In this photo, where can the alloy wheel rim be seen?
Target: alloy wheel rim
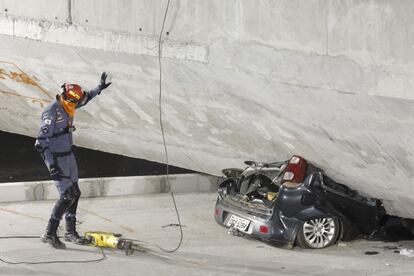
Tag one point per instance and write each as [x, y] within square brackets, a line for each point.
[319, 232]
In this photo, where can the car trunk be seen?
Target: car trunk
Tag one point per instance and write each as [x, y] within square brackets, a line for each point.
[255, 191]
[256, 207]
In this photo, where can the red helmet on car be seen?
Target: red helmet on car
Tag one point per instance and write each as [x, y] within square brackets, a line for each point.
[72, 93]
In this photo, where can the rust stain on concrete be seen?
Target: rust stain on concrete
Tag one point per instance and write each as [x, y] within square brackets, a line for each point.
[107, 219]
[19, 76]
[21, 214]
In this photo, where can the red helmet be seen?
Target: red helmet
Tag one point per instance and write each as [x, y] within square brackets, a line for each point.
[72, 93]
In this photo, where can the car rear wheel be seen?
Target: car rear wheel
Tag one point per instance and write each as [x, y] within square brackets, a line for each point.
[318, 233]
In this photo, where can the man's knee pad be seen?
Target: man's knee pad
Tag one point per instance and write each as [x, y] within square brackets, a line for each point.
[60, 207]
[67, 200]
[77, 191]
[70, 195]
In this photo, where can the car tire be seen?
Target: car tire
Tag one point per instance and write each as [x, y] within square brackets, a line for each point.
[318, 233]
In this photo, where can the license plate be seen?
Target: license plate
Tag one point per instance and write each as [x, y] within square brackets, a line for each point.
[238, 223]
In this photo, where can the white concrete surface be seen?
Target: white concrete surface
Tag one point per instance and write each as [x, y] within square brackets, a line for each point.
[207, 249]
[330, 80]
[54, 11]
[111, 186]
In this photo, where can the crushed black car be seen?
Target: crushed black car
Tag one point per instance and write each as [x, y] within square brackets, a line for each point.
[294, 202]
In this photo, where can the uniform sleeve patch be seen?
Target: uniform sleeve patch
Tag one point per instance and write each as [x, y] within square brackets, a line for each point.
[48, 121]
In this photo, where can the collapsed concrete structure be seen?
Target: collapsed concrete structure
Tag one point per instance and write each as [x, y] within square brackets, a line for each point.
[327, 79]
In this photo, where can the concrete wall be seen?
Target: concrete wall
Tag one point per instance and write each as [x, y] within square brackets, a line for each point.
[111, 186]
[53, 11]
[329, 79]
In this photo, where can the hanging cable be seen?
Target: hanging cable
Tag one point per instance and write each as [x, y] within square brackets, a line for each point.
[163, 134]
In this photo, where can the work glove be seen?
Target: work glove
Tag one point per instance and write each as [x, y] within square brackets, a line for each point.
[103, 84]
[55, 172]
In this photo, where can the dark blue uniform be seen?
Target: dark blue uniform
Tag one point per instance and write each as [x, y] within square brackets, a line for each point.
[55, 145]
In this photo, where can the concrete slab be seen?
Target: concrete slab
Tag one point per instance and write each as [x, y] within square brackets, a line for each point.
[329, 80]
[55, 11]
[207, 249]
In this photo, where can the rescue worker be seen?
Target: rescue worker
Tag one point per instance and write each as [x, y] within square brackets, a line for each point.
[55, 146]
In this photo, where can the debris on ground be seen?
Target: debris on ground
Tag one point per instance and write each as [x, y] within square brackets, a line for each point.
[407, 252]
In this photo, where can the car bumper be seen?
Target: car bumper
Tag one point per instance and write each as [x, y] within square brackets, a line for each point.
[273, 227]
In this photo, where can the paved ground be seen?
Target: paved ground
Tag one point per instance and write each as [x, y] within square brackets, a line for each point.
[207, 249]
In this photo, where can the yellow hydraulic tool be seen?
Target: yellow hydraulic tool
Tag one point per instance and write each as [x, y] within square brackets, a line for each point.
[112, 240]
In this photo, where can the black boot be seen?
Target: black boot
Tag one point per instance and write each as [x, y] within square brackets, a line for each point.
[51, 237]
[71, 235]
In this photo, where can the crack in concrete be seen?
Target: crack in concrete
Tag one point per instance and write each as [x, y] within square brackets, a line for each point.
[100, 129]
[317, 87]
[69, 20]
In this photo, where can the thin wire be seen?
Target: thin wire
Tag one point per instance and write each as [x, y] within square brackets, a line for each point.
[48, 262]
[19, 237]
[59, 262]
[153, 244]
[163, 134]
